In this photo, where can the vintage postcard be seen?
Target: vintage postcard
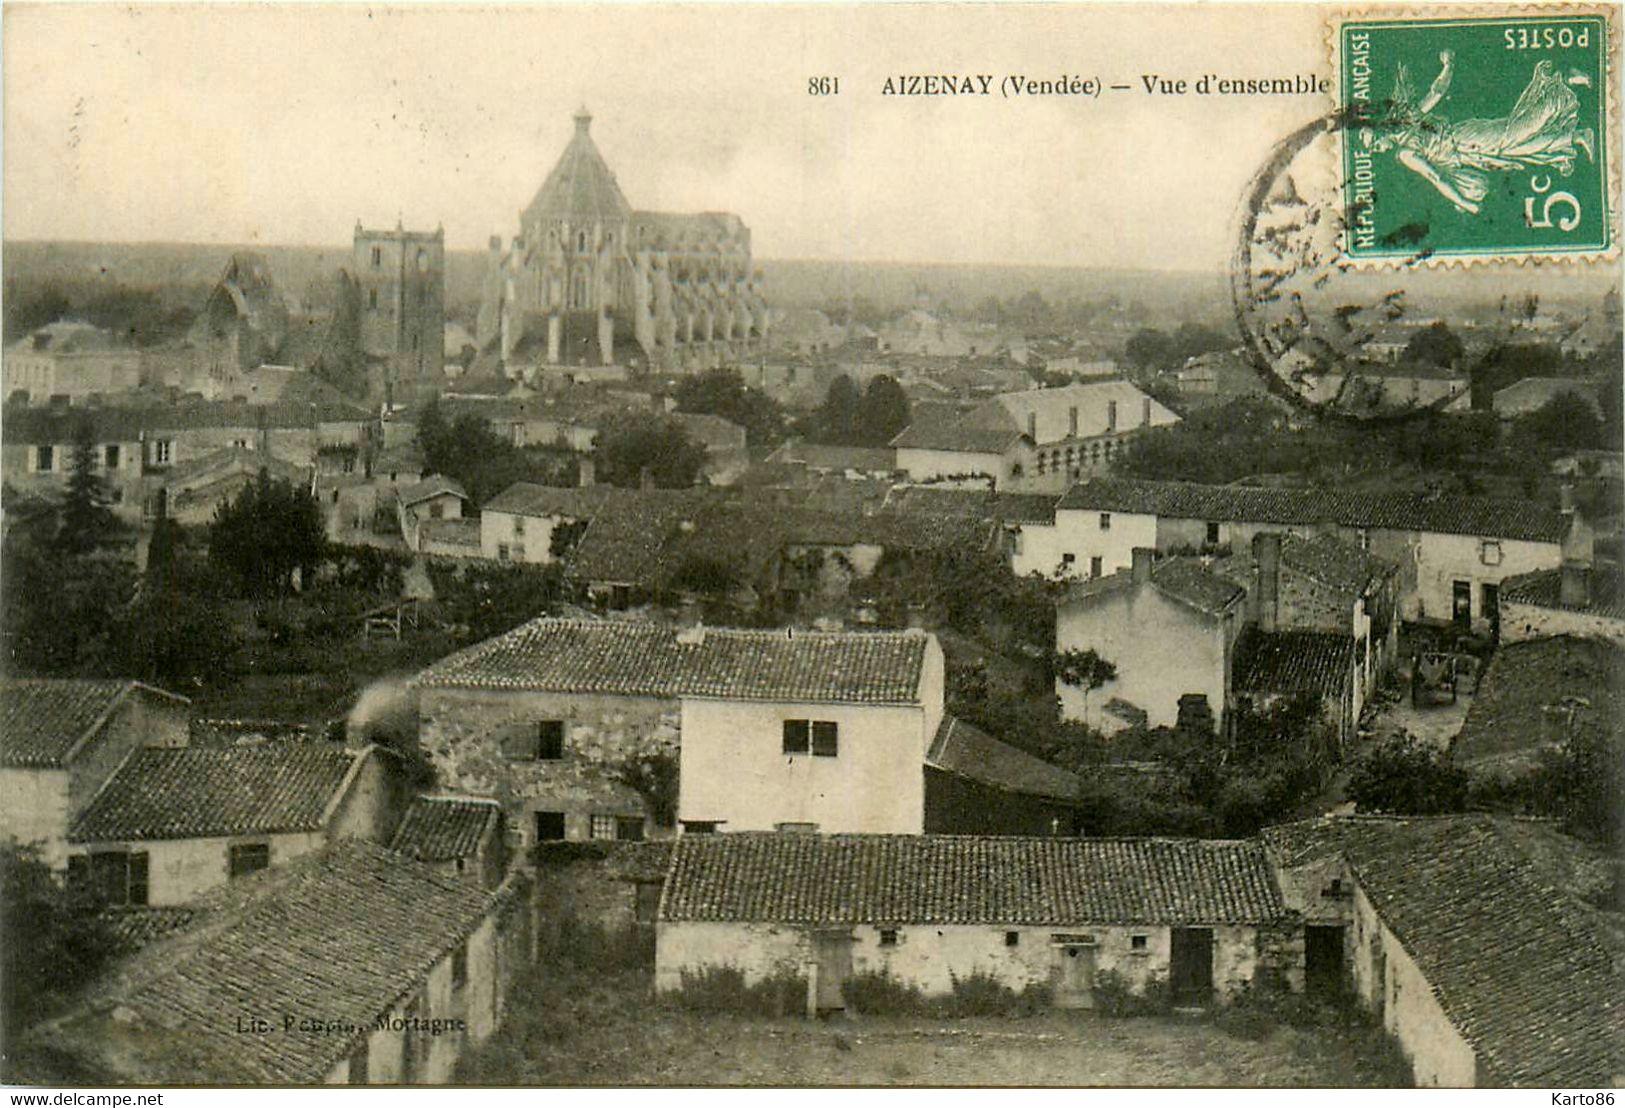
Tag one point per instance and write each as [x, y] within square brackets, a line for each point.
[861, 545]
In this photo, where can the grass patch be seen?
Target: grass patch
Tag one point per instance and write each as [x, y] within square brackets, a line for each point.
[722, 990]
[879, 993]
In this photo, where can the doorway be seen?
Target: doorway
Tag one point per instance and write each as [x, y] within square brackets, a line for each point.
[1191, 968]
[1323, 961]
[1073, 971]
[834, 951]
[1461, 604]
[1490, 606]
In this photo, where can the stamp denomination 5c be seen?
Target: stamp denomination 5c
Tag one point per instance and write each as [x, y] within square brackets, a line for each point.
[1477, 136]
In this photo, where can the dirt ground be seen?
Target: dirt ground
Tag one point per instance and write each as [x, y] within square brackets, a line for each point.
[601, 1038]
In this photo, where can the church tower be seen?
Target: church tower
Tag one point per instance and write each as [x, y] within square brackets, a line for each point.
[402, 279]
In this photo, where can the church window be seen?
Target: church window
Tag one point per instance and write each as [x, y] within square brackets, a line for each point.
[372, 299]
[377, 257]
[581, 240]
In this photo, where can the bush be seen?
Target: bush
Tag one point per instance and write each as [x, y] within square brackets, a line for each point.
[1115, 996]
[872, 993]
[982, 994]
[722, 990]
[570, 941]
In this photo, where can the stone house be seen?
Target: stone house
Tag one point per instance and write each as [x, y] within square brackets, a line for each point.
[1202, 918]
[1452, 551]
[72, 359]
[456, 834]
[172, 824]
[1171, 630]
[1467, 937]
[434, 498]
[556, 717]
[194, 491]
[60, 741]
[350, 965]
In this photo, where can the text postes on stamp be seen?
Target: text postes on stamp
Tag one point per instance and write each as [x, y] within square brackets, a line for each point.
[1481, 137]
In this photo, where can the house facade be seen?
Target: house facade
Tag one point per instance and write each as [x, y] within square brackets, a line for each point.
[1452, 551]
[174, 824]
[1170, 629]
[561, 721]
[61, 740]
[1202, 918]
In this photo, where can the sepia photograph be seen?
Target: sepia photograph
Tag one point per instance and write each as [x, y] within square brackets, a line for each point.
[869, 545]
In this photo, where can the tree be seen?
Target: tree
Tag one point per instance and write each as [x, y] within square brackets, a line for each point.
[883, 412]
[1082, 669]
[1565, 422]
[638, 443]
[838, 417]
[86, 520]
[51, 941]
[1149, 349]
[29, 309]
[1435, 345]
[56, 612]
[266, 534]
[1405, 776]
[723, 392]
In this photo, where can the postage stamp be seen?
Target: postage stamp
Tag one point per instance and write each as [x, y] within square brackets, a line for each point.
[1476, 137]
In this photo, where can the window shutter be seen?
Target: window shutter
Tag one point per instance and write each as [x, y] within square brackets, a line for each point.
[795, 736]
[138, 878]
[824, 741]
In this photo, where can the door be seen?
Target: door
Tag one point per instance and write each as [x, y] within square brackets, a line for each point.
[1073, 974]
[834, 967]
[1323, 961]
[1191, 972]
[1461, 604]
[1490, 606]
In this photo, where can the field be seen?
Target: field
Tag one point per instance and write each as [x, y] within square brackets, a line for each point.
[573, 1027]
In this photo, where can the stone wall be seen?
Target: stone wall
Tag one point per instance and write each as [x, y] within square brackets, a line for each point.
[1520, 622]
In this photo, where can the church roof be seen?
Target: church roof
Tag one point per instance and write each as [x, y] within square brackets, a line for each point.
[581, 185]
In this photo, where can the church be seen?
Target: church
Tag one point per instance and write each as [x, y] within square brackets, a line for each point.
[588, 281]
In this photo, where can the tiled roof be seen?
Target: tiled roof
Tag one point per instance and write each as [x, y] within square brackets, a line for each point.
[431, 487]
[1534, 693]
[1192, 583]
[646, 659]
[864, 459]
[341, 935]
[1543, 588]
[1463, 515]
[967, 751]
[198, 792]
[1093, 400]
[525, 499]
[960, 437]
[1291, 662]
[134, 928]
[1009, 507]
[127, 423]
[951, 879]
[235, 459]
[440, 828]
[580, 187]
[1529, 986]
[42, 720]
[711, 431]
[626, 541]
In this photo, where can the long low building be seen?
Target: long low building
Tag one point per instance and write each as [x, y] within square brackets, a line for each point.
[1453, 551]
[1204, 918]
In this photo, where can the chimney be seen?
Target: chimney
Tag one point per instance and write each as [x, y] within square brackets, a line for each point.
[692, 634]
[587, 472]
[1143, 557]
[1267, 558]
[688, 615]
[1565, 499]
[1574, 587]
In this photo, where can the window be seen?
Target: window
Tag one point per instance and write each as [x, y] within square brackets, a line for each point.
[796, 736]
[459, 966]
[601, 827]
[825, 740]
[518, 527]
[1095, 566]
[1068, 559]
[372, 299]
[629, 829]
[1012, 938]
[1145, 412]
[1489, 552]
[1032, 426]
[161, 451]
[377, 257]
[1072, 422]
[550, 740]
[359, 1062]
[247, 858]
[1213, 534]
[1364, 536]
[888, 936]
[581, 240]
[1137, 942]
[44, 458]
[796, 828]
[549, 826]
[1111, 415]
[437, 510]
[699, 827]
[110, 456]
[1105, 521]
[116, 877]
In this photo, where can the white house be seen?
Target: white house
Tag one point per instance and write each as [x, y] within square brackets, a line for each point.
[60, 740]
[517, 525]
[936, 451]
[172, 824]
[431, 500]
[774, 727]
[1452, 551]
[1200, 917]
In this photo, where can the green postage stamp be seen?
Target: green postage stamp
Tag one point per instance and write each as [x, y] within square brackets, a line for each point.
[1477, 136]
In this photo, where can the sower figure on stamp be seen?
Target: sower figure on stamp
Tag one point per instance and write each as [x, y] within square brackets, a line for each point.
[1455, 157]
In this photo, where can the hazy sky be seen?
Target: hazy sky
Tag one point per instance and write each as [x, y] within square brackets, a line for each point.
[287, 124]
